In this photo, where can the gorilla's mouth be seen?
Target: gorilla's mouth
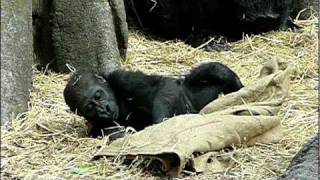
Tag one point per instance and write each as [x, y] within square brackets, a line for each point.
[113, 115]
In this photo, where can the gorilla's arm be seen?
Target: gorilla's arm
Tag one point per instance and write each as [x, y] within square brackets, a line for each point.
[214, 74]
[207, 81]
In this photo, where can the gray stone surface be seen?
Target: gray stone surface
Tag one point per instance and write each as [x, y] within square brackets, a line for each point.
[84, 34]
[16, 57]
[305, 165]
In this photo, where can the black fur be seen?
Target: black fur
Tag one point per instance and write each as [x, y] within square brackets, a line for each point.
[138, 100]
[192, 19]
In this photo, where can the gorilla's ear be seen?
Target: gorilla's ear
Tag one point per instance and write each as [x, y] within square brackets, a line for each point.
[100, 78]
[104, 75]
[75, 78]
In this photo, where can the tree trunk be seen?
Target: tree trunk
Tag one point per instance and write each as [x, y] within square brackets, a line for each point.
[90, 35]
[16, 57]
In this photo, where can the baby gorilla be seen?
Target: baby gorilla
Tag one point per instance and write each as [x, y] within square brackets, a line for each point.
[138, 100]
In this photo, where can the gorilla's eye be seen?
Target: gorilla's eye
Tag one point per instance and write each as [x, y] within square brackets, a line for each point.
[100, 79]
[89, 107]
[97, 95]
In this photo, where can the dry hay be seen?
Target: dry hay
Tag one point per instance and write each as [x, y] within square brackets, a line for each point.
[49, 142]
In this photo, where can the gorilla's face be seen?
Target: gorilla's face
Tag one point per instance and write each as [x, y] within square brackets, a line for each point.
[99, 104]
[91, 96]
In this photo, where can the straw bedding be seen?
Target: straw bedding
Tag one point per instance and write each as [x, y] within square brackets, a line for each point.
[49, 142]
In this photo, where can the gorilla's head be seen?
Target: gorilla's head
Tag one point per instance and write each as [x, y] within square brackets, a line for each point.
[90, 95]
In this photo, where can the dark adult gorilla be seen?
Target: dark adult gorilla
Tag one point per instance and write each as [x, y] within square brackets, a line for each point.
[187, 19]
[138, 100]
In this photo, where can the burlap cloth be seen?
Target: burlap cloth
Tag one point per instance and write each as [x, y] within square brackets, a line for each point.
[247, 116]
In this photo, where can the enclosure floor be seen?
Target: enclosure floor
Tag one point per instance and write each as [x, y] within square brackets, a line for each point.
[50, 142]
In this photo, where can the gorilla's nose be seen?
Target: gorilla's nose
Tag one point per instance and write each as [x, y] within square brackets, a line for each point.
[112, 111]
[104, 111]
[108, 108]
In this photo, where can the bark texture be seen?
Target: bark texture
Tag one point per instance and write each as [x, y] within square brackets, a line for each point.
[90, 35]
[16, 57]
